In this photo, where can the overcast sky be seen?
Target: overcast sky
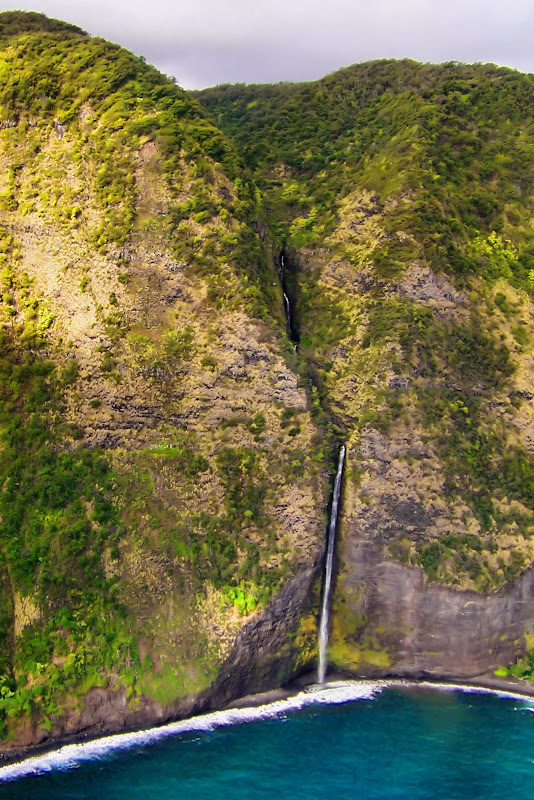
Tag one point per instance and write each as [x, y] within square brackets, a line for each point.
[205, 42]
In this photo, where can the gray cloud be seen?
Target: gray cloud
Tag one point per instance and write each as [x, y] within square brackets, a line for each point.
[204, 42]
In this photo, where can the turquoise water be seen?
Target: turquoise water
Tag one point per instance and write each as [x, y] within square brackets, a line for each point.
[390, 743]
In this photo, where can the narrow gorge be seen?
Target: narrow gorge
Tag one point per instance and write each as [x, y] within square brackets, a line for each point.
[289, 282]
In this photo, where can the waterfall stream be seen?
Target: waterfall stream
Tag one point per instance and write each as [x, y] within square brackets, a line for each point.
[287, 309]
[323, 626]
[289, 302]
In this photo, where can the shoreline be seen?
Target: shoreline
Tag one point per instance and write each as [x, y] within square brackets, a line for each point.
[299, 693]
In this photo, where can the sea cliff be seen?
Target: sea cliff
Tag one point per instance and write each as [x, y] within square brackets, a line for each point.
[169, 437]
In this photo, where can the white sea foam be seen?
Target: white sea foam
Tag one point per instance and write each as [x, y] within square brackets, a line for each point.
[465, 688]
[72, 755]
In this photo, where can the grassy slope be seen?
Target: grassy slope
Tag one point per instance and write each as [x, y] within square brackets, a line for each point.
[156, 471]
[406, 194]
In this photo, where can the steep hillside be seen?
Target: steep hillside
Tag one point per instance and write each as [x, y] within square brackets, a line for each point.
[164, 450]
[402, 195]
[162, 487]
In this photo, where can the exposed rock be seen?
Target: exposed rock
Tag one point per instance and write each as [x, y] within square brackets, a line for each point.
[262, 657]
[435, 291]
[159, 365]
[428, 630]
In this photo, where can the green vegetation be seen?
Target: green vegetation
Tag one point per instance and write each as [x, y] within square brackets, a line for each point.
[133, 530]
[56, 521]
[15, 23]
[105, 104]
[395, 173]
[437, 156]
[523, 668]
[452, 137]
[402, 196]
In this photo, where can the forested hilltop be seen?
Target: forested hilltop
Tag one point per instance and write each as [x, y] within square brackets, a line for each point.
[162, 470]
[402, 195]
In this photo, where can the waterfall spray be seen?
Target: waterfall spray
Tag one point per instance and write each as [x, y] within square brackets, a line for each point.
[323, 626]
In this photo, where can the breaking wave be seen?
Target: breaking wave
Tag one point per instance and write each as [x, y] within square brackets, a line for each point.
[71, 755]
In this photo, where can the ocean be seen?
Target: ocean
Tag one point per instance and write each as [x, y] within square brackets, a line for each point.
[364, 740]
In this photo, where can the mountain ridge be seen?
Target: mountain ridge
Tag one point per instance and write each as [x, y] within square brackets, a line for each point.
[145, 387]
[166, 453]
[404, 194]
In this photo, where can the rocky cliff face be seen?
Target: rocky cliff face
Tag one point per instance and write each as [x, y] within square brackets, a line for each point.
[164, 451]
[434, 552]
[390, 620]
[414, 255]
[266, 653]
[162, 498]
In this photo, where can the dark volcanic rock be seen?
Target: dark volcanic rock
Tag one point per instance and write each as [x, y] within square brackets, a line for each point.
[427, 629]
[263, 656]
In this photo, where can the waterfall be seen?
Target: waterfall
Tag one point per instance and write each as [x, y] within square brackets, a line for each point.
[323, 626]
[287, 309]
[291, 331]
[287, 306]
